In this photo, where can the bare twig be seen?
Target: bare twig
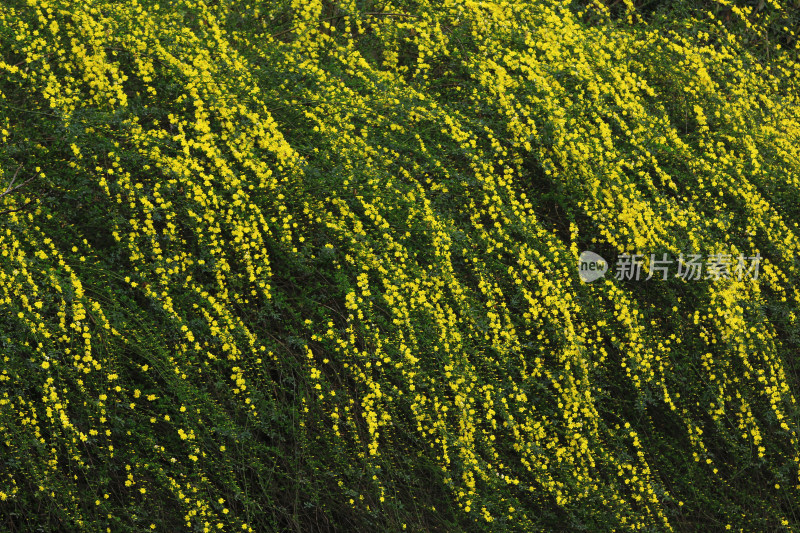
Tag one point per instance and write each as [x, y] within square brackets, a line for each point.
[14, 177]
[10, 188]
[385, 14]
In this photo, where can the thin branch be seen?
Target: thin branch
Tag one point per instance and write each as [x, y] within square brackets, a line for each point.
[9, 190]
[14, 177]
[385, 14]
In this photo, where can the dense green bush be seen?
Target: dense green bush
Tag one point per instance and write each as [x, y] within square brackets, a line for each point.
[313, 266]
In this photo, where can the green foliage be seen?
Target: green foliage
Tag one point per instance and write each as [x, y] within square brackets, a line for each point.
[311, 266]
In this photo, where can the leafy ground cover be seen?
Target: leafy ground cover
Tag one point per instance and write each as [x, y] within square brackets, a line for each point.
[313, 266]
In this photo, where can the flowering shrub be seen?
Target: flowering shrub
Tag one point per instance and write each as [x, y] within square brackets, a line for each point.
[312, 265]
